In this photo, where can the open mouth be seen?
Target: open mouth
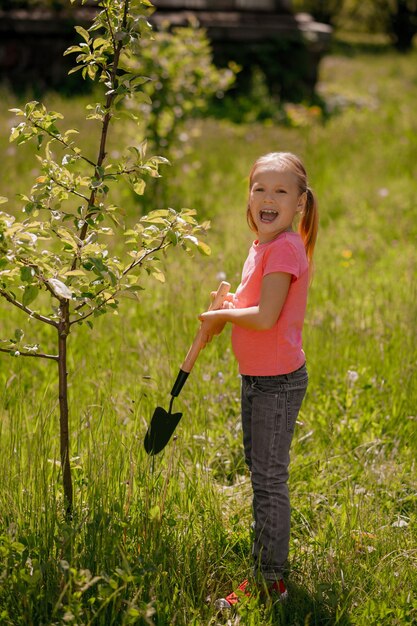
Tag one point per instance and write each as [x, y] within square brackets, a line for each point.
[268, 215]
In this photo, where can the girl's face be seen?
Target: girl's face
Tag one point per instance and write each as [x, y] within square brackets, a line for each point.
[274, 201]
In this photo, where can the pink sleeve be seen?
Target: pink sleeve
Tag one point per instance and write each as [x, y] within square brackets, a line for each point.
[281, 257]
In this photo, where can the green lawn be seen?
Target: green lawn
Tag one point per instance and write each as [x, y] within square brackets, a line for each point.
[155, 540]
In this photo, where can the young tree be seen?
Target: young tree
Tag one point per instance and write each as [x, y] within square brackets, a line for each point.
[56, 258]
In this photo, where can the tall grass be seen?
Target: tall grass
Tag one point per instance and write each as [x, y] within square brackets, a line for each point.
[155, 541]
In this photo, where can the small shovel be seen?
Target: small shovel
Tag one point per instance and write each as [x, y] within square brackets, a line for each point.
[163, 424]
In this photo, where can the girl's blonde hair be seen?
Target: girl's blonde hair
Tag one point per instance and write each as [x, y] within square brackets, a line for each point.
[308, 225]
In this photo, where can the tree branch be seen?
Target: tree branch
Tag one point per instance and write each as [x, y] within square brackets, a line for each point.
[26, 309]
[69, 189]
[106, 120]
[62, 141]
[110, 28]
[39, 355]
[139, 261]
[39, 275]
[97, 308]
[162, 246]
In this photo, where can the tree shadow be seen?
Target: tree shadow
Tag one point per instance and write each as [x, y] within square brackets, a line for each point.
[303, 608]
[351, 48]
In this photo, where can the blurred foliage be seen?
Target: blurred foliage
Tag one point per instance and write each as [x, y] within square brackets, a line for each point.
[271, 73]
[183, 82]
[395, 18]
[322, 10]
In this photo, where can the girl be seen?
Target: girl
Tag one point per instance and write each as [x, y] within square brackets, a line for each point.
[267, 313]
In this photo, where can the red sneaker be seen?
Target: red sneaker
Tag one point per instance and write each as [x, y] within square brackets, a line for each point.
[233, 598]
[277, 588]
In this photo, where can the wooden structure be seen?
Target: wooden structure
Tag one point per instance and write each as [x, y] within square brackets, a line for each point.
[264, 33]
[226, 5]
[286, 46]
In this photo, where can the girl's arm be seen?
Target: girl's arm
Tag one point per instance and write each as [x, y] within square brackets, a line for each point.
[274, 291]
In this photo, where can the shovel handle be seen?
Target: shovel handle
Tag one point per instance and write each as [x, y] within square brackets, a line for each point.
[196, 346]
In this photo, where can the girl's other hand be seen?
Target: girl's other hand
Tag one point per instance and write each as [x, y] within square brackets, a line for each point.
[228, 301]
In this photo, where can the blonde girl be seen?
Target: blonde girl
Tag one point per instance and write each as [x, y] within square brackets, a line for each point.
[267, 313]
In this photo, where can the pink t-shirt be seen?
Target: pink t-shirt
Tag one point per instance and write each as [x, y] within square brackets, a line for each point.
[277, 350]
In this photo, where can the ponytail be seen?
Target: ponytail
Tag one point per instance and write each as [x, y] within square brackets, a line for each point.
[309, 224]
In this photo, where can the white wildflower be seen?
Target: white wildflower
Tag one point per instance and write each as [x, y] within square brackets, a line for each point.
[352, 376]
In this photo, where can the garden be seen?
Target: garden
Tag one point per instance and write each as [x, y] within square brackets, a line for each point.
[123, 207]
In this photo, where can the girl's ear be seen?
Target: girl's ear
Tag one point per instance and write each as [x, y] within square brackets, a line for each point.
[302, 201]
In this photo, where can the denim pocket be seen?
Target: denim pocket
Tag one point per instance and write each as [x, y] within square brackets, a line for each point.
[267, 386]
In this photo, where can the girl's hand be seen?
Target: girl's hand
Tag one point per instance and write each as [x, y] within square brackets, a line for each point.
[262, 316]
[212, 324]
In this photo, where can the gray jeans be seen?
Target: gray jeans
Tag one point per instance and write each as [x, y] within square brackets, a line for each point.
[270, 405]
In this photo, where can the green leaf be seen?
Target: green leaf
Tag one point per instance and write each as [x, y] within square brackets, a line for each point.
[159, 159]
[135, 288]
[155, 220]
[18, 334]
[67, 238]
[185, 211]
[158, 275]
[149, 217]
[139, 187]
[92, 71]
[141, 96]
[75, 69]
[203, 248]
[99, 41]
[27, 274]
[72, 49]
[3, 200]
[84, 34]
[30, 294]
[15, 132]
[18, 547]
[173, 237]
[75, 273]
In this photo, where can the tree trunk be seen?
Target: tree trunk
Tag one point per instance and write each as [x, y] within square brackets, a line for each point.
[404, 26]
[63, 331]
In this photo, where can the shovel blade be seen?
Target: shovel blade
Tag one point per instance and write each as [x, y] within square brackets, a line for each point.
[160, 430]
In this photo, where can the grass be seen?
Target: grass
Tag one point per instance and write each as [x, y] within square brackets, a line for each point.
[154, 539]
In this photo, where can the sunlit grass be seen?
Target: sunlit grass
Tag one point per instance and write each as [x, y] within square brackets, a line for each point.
[154, 541]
